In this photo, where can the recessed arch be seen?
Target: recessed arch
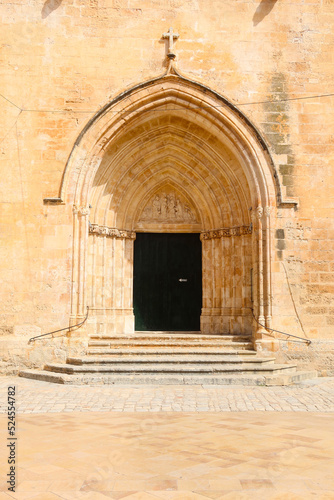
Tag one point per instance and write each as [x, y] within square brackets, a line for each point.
[171, 93]
[172, 146]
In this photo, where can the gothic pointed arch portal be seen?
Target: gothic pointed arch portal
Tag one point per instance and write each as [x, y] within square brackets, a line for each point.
[171, 155]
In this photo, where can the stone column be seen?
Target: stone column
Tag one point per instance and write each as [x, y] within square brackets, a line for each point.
[80, 234]
[223, 295]
[264, 340]
[244, 277]
[206, 291]
[75, 259]
[83, 214]
[268, 291]
[258, 284]
[259, 214]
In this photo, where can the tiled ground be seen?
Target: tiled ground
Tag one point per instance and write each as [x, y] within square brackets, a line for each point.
[174, 456]
[138, 453]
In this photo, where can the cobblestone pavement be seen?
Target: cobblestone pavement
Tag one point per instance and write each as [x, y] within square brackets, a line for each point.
[42, 397]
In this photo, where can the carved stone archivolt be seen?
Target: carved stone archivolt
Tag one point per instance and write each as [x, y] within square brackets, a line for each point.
[226, 232]
[111, 232]
[168, 207]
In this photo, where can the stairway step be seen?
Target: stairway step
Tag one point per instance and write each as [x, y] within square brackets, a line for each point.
[150, 343]
[160, 358]
[169, 379]
[170, 358]
[133, 351]
[171, 336]
[147, 368]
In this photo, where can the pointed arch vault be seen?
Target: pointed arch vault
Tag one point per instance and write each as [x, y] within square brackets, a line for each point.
[171, 155]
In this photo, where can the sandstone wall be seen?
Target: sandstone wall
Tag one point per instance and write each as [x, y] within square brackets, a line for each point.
[61, 60]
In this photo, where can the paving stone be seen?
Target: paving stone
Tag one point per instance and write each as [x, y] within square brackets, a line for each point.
[45, 397]
[266, 455]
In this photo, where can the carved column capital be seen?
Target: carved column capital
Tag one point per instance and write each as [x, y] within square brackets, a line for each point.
[267, 211]
[259, 212]
[81, 211]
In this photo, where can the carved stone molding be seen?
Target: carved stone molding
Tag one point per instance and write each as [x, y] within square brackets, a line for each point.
[226, 232]
[168, 207]
[111, 232]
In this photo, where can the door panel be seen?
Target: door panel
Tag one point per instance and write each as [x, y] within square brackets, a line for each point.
[167, 282]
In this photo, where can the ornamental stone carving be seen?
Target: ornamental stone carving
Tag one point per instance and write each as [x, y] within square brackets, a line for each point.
[226, 232]
[259, 212]
[111, 232]
[168, 208]
[81, 211]
[267, 211]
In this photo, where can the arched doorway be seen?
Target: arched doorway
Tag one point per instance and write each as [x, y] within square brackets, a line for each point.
[167, 281]
[171, 156]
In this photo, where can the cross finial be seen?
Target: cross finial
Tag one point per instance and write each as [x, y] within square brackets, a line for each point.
[171, 36]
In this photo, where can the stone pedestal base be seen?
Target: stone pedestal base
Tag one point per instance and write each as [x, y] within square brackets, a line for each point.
[213, 323]
[264, 346]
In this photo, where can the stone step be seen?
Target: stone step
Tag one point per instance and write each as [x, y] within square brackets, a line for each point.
[184, 351]
[167, 343]
[180, 368]
[171, 336]
[169, 358]
[170, 379]
[172, 358]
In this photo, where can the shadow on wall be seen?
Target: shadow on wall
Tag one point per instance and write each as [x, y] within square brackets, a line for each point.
[49, 6]
[265, 7]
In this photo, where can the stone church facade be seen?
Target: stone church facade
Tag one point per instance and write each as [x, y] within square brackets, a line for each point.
[116, 125]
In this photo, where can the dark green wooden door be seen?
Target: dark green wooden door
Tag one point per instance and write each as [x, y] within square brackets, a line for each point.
[167, 288]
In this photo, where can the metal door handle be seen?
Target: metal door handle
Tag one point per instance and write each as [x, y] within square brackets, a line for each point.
[183, 280]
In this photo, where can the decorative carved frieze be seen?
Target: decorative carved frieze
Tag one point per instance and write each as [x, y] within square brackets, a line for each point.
[111, 232]
[168, 208]
[226, 232]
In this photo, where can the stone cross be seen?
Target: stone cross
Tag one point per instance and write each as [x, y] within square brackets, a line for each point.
[171, 36]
